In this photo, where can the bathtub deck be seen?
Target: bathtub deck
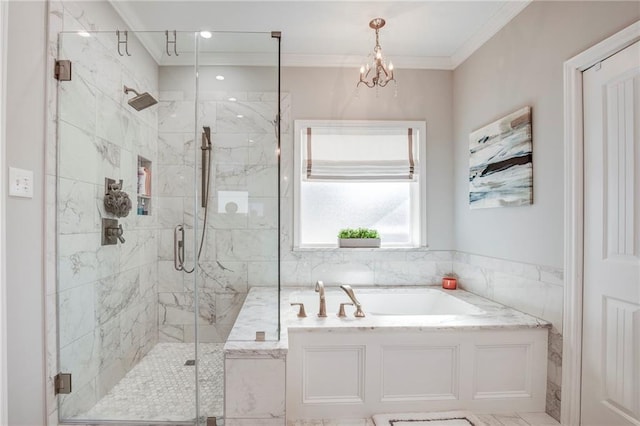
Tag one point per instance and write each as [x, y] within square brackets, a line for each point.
[513, 419]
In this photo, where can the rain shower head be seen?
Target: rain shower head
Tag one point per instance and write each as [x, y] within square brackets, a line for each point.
[141, 101]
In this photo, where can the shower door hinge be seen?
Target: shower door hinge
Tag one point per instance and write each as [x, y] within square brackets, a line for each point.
[62, 70]
[62, 383]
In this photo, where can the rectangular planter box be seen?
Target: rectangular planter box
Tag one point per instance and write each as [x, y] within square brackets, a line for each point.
[359, 242]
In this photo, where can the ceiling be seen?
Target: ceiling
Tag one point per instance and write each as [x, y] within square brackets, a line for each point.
[418, 34]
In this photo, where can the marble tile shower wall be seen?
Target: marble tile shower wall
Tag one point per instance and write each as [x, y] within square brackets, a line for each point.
[240, 247]
[107, 306]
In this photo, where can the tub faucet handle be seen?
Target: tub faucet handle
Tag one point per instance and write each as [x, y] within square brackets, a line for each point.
[347, 289]
[301, 312]
[341, 313]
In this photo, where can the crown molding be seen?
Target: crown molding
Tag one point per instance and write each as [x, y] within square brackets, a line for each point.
[501, 18]
[400, 62]
[504, 15]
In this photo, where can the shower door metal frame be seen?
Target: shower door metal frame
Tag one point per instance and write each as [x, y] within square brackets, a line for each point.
[3, 285]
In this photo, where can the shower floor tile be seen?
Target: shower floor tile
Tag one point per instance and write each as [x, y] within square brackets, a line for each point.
[162, 388]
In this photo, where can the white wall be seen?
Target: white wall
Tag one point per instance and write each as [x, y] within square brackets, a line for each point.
[26, 74]
[522, 65]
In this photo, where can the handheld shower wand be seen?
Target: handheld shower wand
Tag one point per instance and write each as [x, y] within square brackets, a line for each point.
[206, 165]
[178, 233]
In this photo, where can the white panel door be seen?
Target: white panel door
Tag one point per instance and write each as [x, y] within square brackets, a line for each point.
[611, 316]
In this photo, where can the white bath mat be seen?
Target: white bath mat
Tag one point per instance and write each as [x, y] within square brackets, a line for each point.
[448, 418]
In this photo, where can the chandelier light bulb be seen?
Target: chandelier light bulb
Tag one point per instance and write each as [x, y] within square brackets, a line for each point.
[390, 66]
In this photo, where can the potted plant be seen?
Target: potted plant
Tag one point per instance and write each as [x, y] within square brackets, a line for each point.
[360, 237]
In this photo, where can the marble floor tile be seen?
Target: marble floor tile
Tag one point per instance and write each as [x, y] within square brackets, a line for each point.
[162, 388]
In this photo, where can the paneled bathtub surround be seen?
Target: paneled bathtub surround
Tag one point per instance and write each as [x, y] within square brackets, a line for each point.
[491, 357]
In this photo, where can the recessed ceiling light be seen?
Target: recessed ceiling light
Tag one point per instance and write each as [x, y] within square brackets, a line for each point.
[220, 77]
[232, 99]
[84, 34]
[205, 34]
[239, 115]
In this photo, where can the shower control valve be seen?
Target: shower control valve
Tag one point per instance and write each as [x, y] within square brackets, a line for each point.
[111, 232]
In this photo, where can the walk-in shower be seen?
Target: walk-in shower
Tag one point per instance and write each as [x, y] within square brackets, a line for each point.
[142, 339]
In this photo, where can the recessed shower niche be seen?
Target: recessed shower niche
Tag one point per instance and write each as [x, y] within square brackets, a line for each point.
[128, 318]
[143, 187]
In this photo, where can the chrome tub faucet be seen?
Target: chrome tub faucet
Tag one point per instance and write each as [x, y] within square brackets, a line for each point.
[323, 303]
[347, 289]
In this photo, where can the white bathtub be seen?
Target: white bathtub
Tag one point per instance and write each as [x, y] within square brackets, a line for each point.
[417, 349]
[404, 301]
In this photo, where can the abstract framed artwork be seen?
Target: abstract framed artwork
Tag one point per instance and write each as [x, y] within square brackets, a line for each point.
[500, 162]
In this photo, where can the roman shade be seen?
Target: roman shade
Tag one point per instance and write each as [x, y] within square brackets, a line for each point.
[359, 153]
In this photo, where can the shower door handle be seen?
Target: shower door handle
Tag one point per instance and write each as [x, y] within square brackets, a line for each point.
[178, 248]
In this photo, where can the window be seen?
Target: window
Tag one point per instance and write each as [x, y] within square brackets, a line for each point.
[351, 174]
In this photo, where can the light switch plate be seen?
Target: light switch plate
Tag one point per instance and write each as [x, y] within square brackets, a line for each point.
[20, 183]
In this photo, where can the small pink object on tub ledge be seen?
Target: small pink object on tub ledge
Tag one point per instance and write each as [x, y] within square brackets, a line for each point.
[449, 283]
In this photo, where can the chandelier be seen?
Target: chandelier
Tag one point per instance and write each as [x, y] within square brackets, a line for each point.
[376, 72]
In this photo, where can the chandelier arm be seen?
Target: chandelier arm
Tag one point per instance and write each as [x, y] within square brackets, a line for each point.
[366, 83]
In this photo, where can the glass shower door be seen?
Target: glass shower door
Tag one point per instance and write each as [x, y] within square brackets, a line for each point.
[168, 199]
[118, 335]
[239, 100]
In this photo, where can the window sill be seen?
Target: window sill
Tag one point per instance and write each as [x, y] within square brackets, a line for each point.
[361, 249]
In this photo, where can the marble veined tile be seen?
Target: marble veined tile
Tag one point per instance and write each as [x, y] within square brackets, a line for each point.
[406, 273]
[176, 116]
[224, 155]
[264, 274]
[223, 276]
[76, 313]
[82, 259]
[262, 149]
[86, 158]
[243, 117]
[174, 180]
[262, 180]
[175, 148]
[115, 294]
[77, 207]
[246, 399]
[263, 213]
[343, 273]
[77, 104]
[81, 358]
[247, 245]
